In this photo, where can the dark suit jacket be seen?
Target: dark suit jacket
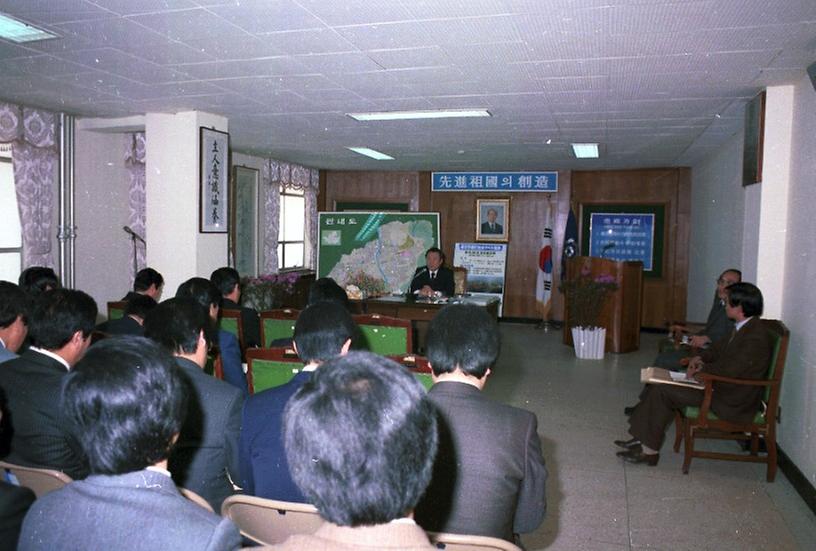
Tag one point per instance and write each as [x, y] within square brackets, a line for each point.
[443, 281]
[125, 325]
[745, 356]
[137, 511]
[250, 321]
[489, 474]
[497, 229]
[39, 435]
[264, 469]
[14, 503]
[207, 448]
[231, 361]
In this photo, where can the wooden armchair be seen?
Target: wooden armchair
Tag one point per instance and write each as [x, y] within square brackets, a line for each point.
[231, 322]
[417, 365]
[278, 324]
[461, 542]
[700, 422]
[40, 481]
[266, 521]
[385, 335]
[270, 367]
[116, 309]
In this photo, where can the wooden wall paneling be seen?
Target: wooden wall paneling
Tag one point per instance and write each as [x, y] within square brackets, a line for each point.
[372, 186]
[661, 297]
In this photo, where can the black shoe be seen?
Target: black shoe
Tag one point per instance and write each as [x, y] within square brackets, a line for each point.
[638, 457]
[628, 410]
[628, 444]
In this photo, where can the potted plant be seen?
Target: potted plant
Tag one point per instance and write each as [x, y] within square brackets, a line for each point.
[268, 291]
[586, 296]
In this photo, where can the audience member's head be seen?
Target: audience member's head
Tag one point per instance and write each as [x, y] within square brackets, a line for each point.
[13, 315]
[38, 279]
[360, 440]
[139, 306]
[463, 336]
[326, 289]
[149, 282]
[746, 295]
[228, 282]
[63, 319]
[202, 291]
[179, 325]
[127, 401]
[323, 331]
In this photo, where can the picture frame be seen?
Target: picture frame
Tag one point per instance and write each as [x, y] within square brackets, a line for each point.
[245, 220]
[493, 220]
[753, 148]
[214, 193]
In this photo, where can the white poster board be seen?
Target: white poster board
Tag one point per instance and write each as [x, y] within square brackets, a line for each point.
[485, 263]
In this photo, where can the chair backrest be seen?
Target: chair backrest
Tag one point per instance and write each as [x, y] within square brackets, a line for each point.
[195, 498]
[461, 542]
[231, 323]
[384, 335]
[270, 367]
[267, 521]
[278, 324]
[116, 309]
[418, 366]
[781, 337]
[40, 481]
[460, 280]
[214, 366]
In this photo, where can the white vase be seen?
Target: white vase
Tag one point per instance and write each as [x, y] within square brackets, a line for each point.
[589, 342]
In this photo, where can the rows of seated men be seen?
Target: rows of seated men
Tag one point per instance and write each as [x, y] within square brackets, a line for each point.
[132, 418]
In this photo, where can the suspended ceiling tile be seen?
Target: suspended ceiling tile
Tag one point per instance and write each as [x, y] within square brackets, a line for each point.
[403, 58]
[357, 12]
[346, 62]
[263, 16]
[310, 41]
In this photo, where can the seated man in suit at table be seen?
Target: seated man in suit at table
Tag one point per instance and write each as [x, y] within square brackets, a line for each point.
[228, 282]
[433, 277]
[746, 354]
[205, 458]
[322, 331]
[361, 439]
[489, 476]
[127, 400]
[491, 227]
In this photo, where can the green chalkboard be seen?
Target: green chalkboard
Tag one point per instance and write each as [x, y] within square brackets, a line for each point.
[379, 248]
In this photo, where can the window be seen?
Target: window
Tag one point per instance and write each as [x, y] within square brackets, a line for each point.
[292, 229]
[10, 231]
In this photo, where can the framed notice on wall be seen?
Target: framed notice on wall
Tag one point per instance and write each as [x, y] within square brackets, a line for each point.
[213, 181]
[625, 232]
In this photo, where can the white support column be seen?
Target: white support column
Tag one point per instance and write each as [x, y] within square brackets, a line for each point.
[775, 188]
[175, 247]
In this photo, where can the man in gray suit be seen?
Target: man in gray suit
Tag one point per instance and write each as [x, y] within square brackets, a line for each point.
[489, 476]
[205, 457]
[127, 401]
[13, 320]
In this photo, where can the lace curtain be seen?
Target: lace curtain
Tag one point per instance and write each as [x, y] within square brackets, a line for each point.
[291, 176]
[35, 157]
[135, 164]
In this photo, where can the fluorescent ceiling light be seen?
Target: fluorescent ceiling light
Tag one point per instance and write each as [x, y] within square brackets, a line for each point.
[410, 115]
[585, 150]
[17, 31]
[368, 152]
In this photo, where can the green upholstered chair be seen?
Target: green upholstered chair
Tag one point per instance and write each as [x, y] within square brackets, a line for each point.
[116, 309]
[278, 324]
[700, 422]
[418, 366]
[270, 367]
[230, 321]
[384, 335]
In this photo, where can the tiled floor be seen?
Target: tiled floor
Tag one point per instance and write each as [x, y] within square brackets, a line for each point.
[595, 501]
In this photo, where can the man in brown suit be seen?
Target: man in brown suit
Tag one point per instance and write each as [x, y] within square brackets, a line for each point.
[746, 354]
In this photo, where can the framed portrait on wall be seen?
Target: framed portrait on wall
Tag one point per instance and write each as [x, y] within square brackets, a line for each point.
[492, 219]
[213, 196]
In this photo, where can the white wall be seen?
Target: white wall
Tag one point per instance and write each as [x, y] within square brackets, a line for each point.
[717, 211]
[796, 433]
[103, 250]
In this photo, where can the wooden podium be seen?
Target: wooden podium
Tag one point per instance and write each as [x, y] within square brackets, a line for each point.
[622, 311]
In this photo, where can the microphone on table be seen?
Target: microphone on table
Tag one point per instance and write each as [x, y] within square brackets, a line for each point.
[133, 234]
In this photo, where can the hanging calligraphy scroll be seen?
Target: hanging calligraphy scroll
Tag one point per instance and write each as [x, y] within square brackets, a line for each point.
[214, 181]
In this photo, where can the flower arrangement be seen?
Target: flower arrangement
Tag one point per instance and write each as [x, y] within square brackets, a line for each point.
[268, 291]
[367, 285]
[586, 296]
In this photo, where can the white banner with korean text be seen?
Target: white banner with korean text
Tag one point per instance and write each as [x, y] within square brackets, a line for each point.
[485, 263]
